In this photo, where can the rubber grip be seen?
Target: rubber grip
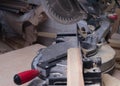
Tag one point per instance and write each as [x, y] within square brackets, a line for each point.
[113, 16]
[25, 76]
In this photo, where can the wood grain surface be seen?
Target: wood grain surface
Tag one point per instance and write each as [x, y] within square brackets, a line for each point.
[74, 68]
[16, 61]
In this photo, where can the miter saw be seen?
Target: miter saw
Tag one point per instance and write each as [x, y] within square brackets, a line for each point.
[93, 26]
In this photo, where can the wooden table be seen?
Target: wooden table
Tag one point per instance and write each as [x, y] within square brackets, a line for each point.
[15, 62]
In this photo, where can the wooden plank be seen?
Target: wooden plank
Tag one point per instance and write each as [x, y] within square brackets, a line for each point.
[109, 80]
[114, 43]
[115, 40]
[47, 34]
[16, 61]
[74, 68]
[115, 36]
[4, 48]
[13, 43]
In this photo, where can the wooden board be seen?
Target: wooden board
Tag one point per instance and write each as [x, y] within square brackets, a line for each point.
[110, 81]
[116, 74]
[16, 61]
[115, 40]
[74, 68]
[47, 34]
[4, 47]
[115, 36]
[114, 43]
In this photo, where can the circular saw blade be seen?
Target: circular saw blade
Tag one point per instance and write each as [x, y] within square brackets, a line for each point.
[64, 11]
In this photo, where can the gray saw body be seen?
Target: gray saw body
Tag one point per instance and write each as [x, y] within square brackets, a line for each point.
[52, 60]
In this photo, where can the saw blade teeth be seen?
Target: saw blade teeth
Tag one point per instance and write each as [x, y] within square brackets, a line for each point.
[51, 12]
[61, 18]
[69, 19]
[48, 6]
[66, 20]
[58, 17]
[46, 2]
[52, 8]
[54, 14]
[75, 19]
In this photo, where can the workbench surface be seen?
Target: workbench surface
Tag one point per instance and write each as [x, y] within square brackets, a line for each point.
[16, 61]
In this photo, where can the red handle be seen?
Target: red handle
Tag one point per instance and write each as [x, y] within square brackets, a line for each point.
[113, 16]
[25, 76]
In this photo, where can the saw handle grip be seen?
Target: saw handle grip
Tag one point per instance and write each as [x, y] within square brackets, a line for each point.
[113, 16]
[25, 76]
